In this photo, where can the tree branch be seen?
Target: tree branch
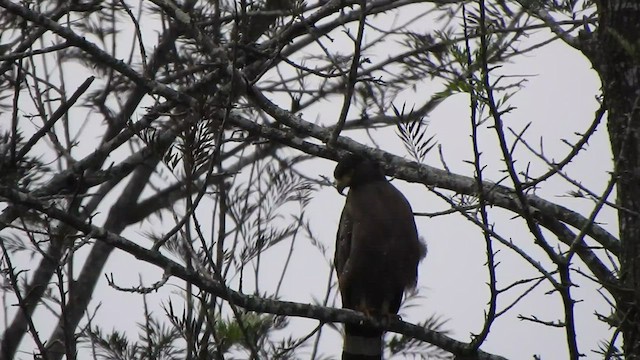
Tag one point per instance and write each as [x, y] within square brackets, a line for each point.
[248, 302]
[411, 171]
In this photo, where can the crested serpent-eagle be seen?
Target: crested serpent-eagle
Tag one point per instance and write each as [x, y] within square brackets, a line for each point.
[377, 251]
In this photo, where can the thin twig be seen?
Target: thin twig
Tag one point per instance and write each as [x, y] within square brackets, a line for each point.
[353, 76]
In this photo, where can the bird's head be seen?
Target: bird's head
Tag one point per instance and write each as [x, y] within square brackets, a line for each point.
[353, 170]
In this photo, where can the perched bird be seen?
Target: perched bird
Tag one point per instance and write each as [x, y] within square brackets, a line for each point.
[377, 251]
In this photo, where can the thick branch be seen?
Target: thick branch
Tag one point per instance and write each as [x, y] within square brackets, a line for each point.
[496, 195]
[252, 303]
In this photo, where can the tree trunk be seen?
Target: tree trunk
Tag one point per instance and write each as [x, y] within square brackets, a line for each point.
[617, 60]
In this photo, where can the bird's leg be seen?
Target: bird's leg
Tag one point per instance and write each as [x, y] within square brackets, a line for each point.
[383, 314]
[386, 316]
[364, 308]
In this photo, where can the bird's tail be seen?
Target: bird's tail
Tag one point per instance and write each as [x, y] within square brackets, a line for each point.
[362, 343]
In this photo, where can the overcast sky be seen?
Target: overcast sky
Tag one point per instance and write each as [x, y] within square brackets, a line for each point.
[558, 99]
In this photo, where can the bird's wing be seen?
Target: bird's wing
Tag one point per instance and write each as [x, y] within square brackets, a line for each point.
[343, 242]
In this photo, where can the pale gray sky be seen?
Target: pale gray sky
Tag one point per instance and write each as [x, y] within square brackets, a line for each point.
[558, 99]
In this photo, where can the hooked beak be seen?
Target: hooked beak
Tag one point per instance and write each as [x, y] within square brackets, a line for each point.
[342, 183]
